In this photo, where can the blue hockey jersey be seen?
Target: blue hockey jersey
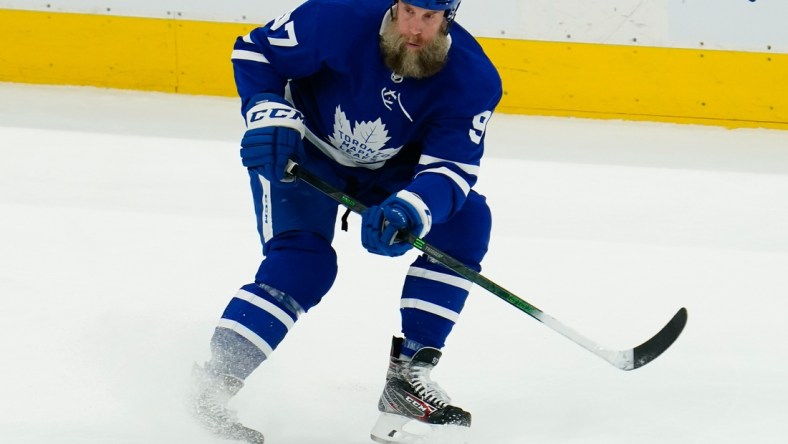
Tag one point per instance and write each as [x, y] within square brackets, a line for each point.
[358, 112]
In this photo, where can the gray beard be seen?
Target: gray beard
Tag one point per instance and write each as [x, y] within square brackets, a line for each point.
[419, 64]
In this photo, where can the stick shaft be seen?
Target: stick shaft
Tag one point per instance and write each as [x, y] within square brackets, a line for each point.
[625, 360]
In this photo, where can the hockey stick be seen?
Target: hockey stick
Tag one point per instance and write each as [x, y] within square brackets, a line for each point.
[628, 359]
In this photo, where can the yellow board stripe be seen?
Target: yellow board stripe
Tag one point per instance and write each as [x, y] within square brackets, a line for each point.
[118, 52]
[733, 89]
[728, 88]
[80, 49]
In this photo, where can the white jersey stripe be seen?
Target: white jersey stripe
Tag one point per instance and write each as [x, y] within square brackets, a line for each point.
[448, 279]
[240, 54]
[429, 307]
[468, 168]
[462, 183]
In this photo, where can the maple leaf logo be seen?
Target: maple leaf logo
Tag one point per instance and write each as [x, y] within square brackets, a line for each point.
[373, 134]
[362, 142]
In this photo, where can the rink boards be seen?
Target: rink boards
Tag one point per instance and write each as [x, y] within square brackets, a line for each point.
[728, 88]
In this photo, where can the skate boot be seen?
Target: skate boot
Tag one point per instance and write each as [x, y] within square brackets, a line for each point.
[208, 403]
[413, 407]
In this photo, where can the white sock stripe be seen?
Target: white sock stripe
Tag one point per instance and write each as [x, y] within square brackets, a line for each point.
[447, 279]
[249, 335]
[270, 308]
[241, 54]
[429, 307]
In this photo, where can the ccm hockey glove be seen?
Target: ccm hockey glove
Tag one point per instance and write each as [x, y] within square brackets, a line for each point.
[404, 211]
[274, 130]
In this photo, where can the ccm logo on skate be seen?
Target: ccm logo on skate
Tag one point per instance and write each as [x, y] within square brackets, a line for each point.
[422, 406]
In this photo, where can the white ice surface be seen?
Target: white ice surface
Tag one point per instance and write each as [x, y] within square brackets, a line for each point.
[126, 225]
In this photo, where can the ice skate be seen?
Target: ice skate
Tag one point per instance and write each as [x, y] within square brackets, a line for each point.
[413, 408]
[208, 403]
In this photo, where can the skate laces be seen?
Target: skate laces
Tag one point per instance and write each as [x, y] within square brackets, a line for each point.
[426, 388]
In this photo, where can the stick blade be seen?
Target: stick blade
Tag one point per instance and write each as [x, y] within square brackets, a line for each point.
[651, 349]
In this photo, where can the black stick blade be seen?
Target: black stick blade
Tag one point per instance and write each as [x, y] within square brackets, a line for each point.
[651, 349]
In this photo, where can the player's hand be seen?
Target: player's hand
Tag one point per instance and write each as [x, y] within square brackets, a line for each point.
[381, 224]
[274, 130]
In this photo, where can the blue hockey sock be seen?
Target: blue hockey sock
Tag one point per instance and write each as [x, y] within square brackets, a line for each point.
[252, 326]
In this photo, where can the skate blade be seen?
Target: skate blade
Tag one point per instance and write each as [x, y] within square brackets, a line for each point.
[398, 429]
[235, 431]
[238, 432]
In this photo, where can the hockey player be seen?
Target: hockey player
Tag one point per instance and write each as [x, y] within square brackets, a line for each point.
[389, 102]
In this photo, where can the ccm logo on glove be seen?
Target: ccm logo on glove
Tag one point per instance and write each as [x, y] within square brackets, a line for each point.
[274, 133]
[267, 113]
[272, 110]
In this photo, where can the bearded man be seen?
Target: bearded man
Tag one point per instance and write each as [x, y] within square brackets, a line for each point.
[390, 103]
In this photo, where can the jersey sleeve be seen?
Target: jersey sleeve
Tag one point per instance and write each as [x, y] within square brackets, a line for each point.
[451, 156]
[288, 47]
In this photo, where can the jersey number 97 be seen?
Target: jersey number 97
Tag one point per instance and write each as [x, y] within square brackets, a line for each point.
[289, 39]
[479, 126]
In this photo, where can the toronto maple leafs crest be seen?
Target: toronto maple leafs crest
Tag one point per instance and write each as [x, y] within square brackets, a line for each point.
[363, 142]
